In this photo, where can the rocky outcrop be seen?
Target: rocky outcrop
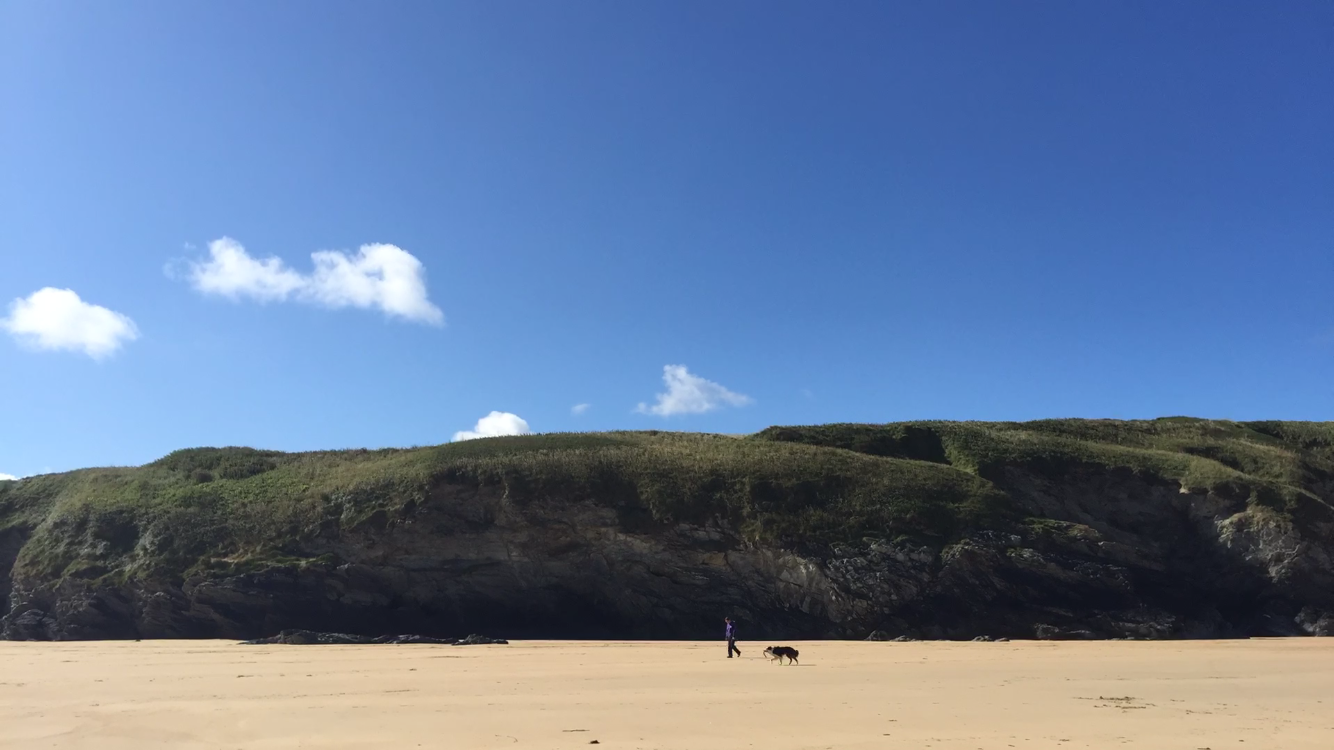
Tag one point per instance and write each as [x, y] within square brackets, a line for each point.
[313, 638]
[1104, 554]
[11, 541]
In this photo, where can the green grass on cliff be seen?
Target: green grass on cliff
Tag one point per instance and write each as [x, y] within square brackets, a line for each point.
[790, 486]
[202, 505]
[1288, 466]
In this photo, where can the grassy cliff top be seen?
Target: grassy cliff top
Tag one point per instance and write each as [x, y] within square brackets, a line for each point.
[792, 486]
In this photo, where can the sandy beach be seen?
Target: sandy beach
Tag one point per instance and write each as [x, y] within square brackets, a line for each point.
[1252, 695]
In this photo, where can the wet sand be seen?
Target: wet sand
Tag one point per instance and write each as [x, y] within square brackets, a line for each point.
[1252, 695]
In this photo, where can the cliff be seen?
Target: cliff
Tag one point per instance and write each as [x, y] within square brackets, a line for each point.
[1054, 529]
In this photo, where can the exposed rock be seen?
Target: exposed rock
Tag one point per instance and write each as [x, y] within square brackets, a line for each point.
[1314, 622]
[1047, 632]
[415, 639]
[309, 638]
[480, 640]
[297, 637]
[30, 625]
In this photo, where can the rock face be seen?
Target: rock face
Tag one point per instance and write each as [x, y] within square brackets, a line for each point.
[1116, 557]
[1081, 548]
[312, 638]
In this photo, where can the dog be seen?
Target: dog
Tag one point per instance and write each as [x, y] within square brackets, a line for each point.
[778, 653]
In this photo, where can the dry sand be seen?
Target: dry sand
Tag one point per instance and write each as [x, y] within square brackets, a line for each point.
[1252, 695]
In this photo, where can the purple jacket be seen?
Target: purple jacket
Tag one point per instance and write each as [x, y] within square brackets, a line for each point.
[731, 630]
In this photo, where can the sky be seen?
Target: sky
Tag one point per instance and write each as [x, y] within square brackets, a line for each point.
[309, 225]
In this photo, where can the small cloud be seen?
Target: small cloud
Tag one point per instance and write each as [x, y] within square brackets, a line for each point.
[578, 409]
[495, 424]
[691, 394]
[7, 477]
[807, 393]
[56, 319]
[380, 276]
[231, 272]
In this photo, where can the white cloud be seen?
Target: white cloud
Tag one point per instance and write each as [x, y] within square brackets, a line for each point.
[57, 319]
[690, 394]
[495, 424]
[231, 272]
[578, 409]
[385, 277]
[7, 477]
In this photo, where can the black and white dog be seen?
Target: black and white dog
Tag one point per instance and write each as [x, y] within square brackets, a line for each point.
[778, 653]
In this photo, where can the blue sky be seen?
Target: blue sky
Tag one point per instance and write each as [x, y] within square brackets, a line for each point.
[869, 211]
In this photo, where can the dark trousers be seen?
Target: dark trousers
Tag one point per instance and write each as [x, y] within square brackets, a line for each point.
[731, 646]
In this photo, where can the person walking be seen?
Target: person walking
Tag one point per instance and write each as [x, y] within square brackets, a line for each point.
[731, 637]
